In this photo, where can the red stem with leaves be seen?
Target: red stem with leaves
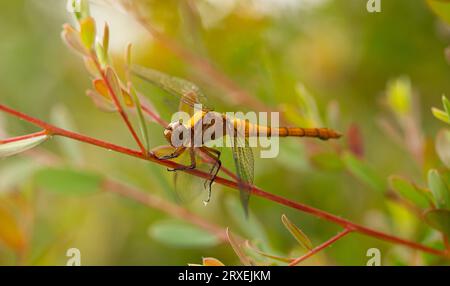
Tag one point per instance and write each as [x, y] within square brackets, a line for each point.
[348, 225]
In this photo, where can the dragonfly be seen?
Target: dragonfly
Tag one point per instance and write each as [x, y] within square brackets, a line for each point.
[190, 97]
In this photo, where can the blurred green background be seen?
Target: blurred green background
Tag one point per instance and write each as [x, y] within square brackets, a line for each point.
[342, 54]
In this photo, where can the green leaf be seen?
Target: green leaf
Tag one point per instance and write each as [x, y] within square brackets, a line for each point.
[439, 219]
[441, 8]
[142, 123]
[16, 147]
[441, 115]
[68, 181]
[363, 172]
[443, 146]
[180, 234]
[87, 32]
[302, 239]
[446, 105]
[438, 188]
[408, 191]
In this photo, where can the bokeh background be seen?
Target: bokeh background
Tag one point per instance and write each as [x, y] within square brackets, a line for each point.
[346, 58]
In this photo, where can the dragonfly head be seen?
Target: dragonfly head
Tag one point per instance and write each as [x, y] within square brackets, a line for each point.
[174, 133]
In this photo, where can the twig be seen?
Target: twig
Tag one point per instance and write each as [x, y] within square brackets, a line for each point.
[116, 101]
[232, 184]
[320, 247]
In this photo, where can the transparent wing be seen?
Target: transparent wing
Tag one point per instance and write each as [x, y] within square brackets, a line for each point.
[188, 93]
[244, 162]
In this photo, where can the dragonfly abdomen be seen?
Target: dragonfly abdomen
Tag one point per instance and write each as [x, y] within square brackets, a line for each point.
[321, 133]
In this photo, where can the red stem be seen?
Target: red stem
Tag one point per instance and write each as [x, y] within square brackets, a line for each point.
[320, 247]
[117, 104]
[255, 190]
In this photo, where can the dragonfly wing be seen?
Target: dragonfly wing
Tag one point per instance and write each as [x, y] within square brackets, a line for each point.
[244, 162]
[188, 93]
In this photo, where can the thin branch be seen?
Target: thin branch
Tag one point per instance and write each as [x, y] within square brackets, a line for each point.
[116, 101]
[321, 247]
[225, 182]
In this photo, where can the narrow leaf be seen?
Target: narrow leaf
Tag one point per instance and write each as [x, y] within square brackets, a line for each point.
[10, 232]
[408, 191]
[439, 219]
[12, 148]
[301, 238]
[441, 115]
[87, 32]
[142, 123]
[438, 188]
[443, 146]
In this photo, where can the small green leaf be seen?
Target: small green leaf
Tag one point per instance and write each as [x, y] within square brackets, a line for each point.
[87, 32]
[142, 123]
[441, 115]
[438, 188]
[439, 219]
[15, 147]
[408, 191]
[302, 239]
[180, 234]
[443, 146]
[68, 181]
[363, 172]
[446, 105]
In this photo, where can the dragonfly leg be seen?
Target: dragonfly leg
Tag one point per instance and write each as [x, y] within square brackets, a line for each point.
[215, 155]
[190, 167]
